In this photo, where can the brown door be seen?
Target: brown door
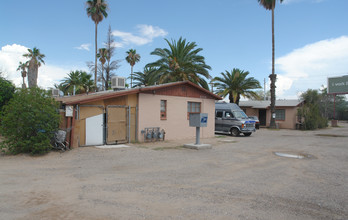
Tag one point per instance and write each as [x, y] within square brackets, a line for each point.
[116, 124]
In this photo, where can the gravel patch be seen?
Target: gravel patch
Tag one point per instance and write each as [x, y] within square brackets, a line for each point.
[239, 178]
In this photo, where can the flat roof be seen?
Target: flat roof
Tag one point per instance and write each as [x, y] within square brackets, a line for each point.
[267, 103]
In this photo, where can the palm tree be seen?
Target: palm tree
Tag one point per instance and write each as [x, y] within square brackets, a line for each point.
[23, 67]
[86, 82]
[181, 62]
[36, 58]
[148, 77]
[132, 58]
[102, 55]
[72, 83]
[96, 9]
[270, 5]
[236, 84]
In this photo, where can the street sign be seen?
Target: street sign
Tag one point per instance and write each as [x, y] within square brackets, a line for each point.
[337, 85]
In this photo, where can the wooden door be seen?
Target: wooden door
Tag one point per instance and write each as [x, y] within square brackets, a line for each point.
[117, 124]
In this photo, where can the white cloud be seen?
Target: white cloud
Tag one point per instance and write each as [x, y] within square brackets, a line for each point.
[83, 47]
[11, 55]
[309, 66]
[145, 35]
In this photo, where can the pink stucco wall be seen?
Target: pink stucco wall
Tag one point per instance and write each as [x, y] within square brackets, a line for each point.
[288, 123]
[176, 125]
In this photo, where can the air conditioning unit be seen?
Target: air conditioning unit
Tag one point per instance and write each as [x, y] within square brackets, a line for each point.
[118, 82]
[55, 92]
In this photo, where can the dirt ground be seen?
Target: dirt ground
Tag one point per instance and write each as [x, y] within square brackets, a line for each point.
[239, 178]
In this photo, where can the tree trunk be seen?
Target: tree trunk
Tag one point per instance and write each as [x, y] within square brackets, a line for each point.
[95, 61]
[131, 76]
[107, 76]
[23, 76]
[231, 97]
[237, 99]
[32, 74]
[103, 77]
[273, 76]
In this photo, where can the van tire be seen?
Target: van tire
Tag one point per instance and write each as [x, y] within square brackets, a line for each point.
[235, 132]
[247, 134]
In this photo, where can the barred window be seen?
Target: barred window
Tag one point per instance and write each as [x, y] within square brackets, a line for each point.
[163, 109]
[280, 114]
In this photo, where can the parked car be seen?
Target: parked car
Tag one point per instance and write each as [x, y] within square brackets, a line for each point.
[229, 118]
[257, 121]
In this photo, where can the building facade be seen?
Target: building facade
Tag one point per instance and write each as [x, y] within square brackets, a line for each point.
[123, 116]
[286, 112]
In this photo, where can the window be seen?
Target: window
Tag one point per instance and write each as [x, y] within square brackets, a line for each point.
[280, 114]
[193, 107]
[229, 115]
[218, 114]
[163, 109]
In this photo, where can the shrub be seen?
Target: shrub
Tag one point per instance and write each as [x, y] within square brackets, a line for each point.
[29, 121]
[312, 117]
[6, 91]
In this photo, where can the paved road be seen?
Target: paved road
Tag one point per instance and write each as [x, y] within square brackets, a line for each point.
[240, 178]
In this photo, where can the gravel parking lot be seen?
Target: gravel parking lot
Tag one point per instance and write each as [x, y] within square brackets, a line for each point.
[239, 178]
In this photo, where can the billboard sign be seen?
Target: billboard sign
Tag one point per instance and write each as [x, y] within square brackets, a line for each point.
[337, 85]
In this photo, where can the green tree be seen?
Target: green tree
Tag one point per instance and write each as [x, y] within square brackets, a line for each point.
[148, 77]
[7, 90]
[102, 55]
[86, 82]
[111, 65]
[270, 5]
[236, 84]
[97, 10]
[181, 62]
[132, 58]
[23, 67]
[29, 121]
[310, 111]
[36, 59]
[77, 80]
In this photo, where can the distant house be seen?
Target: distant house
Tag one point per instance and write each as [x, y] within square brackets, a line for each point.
[286, 112]
[122, 116]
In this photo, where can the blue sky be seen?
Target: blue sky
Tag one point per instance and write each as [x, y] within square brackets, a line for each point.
[311, 37]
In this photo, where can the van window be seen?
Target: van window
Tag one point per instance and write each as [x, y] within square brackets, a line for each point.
[229, 115]
[219, 114]
[240, 114]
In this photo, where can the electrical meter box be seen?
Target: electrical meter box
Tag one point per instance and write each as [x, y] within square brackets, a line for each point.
[198, 119]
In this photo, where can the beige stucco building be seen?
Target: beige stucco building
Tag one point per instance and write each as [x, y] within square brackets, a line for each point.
[286, 112]
[130, 115]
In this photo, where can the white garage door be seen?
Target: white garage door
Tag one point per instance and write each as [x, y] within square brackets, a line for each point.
[94, 130]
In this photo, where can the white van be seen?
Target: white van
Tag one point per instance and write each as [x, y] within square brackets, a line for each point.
[229, 118]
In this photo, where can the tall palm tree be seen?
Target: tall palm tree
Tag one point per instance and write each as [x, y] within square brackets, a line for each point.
[132, 58]
[102, 55]
[148, 77]
[23, 67]
[270, 5]
[36, 59]
[181, 62]
[236, 84]
[97, 10]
